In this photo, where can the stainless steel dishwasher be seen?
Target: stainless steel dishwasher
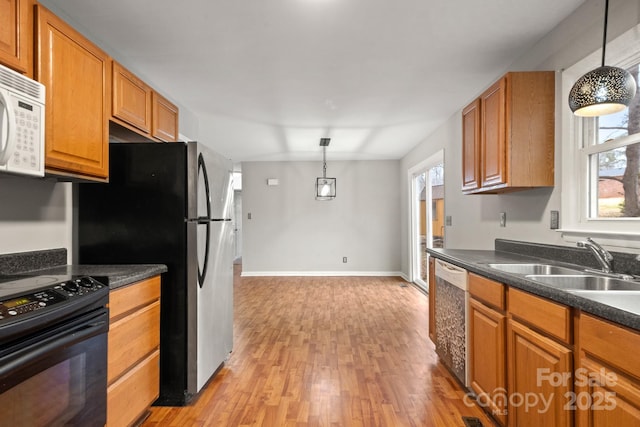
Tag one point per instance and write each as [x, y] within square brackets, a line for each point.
[451, 302]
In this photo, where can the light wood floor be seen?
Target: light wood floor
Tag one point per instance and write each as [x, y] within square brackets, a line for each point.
[327, 351]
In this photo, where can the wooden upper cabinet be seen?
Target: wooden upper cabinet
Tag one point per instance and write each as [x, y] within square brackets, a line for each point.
[493, 151]
[16, 35]
[165, 119]
[515, 134]
[131, 101]
[471, 145]
[139, 108]
[77, 77]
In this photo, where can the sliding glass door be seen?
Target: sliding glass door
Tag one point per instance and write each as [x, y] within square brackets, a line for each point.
[427, 214]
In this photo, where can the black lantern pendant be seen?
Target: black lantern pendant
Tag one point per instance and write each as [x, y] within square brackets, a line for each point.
[325, 187]
[605, 90]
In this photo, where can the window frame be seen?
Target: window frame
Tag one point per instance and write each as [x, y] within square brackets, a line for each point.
[620, 232]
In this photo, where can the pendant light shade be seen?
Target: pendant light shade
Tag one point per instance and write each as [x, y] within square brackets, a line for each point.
[605, 90]
[325, 187]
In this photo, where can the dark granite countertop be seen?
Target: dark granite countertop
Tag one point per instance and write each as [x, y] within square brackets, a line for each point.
[54, 261]
[113, 276]
[476, 261]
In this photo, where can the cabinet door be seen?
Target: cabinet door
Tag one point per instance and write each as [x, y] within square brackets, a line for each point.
[471, 146]
[16, 34]
[131, 100]
[78, 80]
[605, 397]
[539, 379]
[607, 374]
[493, 141]
[487, 342]
[165, 119]
[432, 299]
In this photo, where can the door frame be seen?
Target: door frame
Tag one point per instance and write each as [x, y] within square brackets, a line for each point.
[414, 210]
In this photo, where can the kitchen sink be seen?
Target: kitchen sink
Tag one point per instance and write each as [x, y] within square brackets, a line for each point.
[585, 282]
[624, 300]
[534, 269]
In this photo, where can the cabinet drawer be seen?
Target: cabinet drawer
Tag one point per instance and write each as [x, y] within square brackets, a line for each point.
[132, 338]
[486, 290]
[131, 395]
[548, 316]
[125, 299]
[616, 345]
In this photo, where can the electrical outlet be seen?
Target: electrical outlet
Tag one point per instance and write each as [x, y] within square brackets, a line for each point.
[555, 220]
[448, 220]
[344, 259]
[249, 215]
[503, 219]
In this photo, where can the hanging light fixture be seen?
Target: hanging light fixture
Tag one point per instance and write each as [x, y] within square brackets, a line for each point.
[325, 187]
[605, 90]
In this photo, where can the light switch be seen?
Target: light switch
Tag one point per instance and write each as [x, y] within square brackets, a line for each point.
[555, 220]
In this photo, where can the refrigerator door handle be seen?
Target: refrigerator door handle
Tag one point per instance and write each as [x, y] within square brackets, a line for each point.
[202, 168]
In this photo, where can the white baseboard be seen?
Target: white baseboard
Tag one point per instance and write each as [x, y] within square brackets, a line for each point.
[324, 273]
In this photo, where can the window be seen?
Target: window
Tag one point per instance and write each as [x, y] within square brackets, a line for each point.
[613, 157]
[601, 158]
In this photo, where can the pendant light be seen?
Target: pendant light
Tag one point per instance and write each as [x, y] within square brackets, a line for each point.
[325, 187]
[605, 90]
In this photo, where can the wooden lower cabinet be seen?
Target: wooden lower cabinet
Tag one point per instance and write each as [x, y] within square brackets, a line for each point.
[539, 378]
[535, 362]
[131, 395]
[607, 374]
[488, 345]
[133, 371]
[539, 361]
[487, 342]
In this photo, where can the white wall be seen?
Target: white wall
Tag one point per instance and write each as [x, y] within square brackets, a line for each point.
[475, 218]
[292, 233]
[34, 214]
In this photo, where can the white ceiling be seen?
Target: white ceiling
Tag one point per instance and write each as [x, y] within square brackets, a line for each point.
[266, 79]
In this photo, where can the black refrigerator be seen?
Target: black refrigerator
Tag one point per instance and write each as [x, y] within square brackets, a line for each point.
[172, 204]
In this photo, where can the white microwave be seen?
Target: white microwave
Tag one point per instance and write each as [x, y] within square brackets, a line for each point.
[22, 111]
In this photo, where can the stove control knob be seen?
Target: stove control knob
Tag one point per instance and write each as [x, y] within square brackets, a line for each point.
[70, 286]
[86, 282]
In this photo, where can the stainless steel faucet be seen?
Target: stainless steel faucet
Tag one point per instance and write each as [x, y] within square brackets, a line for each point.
[603, 256]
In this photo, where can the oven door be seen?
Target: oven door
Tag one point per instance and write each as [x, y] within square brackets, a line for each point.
[57, 377]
